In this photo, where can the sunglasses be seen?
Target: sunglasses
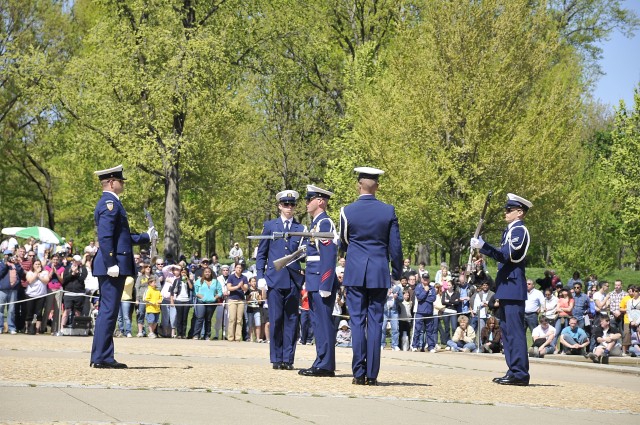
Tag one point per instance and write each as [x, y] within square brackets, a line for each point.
[508, 210]
[288, 204]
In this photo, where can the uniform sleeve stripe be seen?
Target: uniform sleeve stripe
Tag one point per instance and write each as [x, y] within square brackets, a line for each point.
[326, 275]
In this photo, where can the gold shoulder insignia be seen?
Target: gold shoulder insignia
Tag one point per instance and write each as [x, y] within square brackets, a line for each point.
[109, 205]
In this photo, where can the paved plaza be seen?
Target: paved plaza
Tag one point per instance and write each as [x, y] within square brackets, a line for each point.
[45, 379]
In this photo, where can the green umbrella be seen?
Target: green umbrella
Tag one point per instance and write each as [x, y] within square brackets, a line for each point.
[40, 233]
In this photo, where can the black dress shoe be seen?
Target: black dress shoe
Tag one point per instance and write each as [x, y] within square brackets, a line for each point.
[277, 365]
[317, 372]
[500, 378]
[512, 380]
[372, 381]
[359, 381]
[108, 365]
[286, 366]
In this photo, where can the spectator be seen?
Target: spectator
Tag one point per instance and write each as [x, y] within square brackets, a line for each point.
[237, 285]
[405, 323]
[491, 337]
[35, 292]
[542, 336]
[126, 302]
[340, 267]
[580, 304]
[631, 306]
[424, 320]
[533, 306]
[142, 284]
[573, 339]
[480, 311]
[451, 301]
[466, 292]
[54, 297]
[438, 310]
[153, 299]
[340, 304]
[634, 348]
[608, 341]
[574, 279]
[181, 291]
[391, 315]
[550, 306]
[170, 273]
[602, 298]
[343, 337]
[20, 309]
[565, 308]
[215, 265]
[407, 270]
[222, 314]
[463, 338]
[443, 268]
[236, 252]
[11, 275]
[617, 316]
[208, 293]
[73, 284]
[545, 282]
[306, 328]
[254, 311]
[422, 269]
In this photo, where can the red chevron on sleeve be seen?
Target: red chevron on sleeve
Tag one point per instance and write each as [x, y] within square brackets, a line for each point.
[325, 242]
[326, 275]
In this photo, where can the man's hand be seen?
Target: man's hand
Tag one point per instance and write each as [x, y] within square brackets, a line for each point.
[113, 271]
[477, 243]
[152, 232]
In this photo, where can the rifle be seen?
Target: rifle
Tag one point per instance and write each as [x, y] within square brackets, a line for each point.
[154, 239]
[283, 262]
[287, 235]
[479, 229]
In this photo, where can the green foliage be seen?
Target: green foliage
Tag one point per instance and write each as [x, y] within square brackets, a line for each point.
[624, 173]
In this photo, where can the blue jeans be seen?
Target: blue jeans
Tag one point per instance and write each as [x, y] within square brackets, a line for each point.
[461, 345]
[124, 317]
[8, 296]
[390, 316]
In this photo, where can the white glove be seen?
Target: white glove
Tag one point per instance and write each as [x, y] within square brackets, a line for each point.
[262, 283]
[477, 243]
[324, 294]
[113, 271]
[152, 232]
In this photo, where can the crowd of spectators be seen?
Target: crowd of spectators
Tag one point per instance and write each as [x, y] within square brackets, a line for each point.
[456, 310]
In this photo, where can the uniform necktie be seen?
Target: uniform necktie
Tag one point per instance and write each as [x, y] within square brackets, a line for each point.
[286, 226]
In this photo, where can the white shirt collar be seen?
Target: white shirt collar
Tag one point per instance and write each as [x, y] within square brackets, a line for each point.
[113, 193]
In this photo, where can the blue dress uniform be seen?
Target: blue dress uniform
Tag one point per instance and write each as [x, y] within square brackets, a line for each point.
[511, 290]
[116, 248]
[370, 236]
[283, 294]
[321, 280]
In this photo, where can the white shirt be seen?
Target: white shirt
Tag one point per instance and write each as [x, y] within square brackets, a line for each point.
[534, 302]
[539, 332]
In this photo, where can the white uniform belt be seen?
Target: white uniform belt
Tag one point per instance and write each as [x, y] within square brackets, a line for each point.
[312, 258]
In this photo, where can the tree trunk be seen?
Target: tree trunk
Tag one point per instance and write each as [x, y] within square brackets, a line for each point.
[172, 212]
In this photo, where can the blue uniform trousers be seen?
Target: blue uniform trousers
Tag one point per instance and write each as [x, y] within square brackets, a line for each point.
[283, 323]
[111, 289]
[514, 338]
[324, 330]
[425, 324]
[366, 308]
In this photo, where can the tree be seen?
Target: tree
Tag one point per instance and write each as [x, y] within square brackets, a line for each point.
[623, 173]
[471, 96]
[151, 83]
[34, 44]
